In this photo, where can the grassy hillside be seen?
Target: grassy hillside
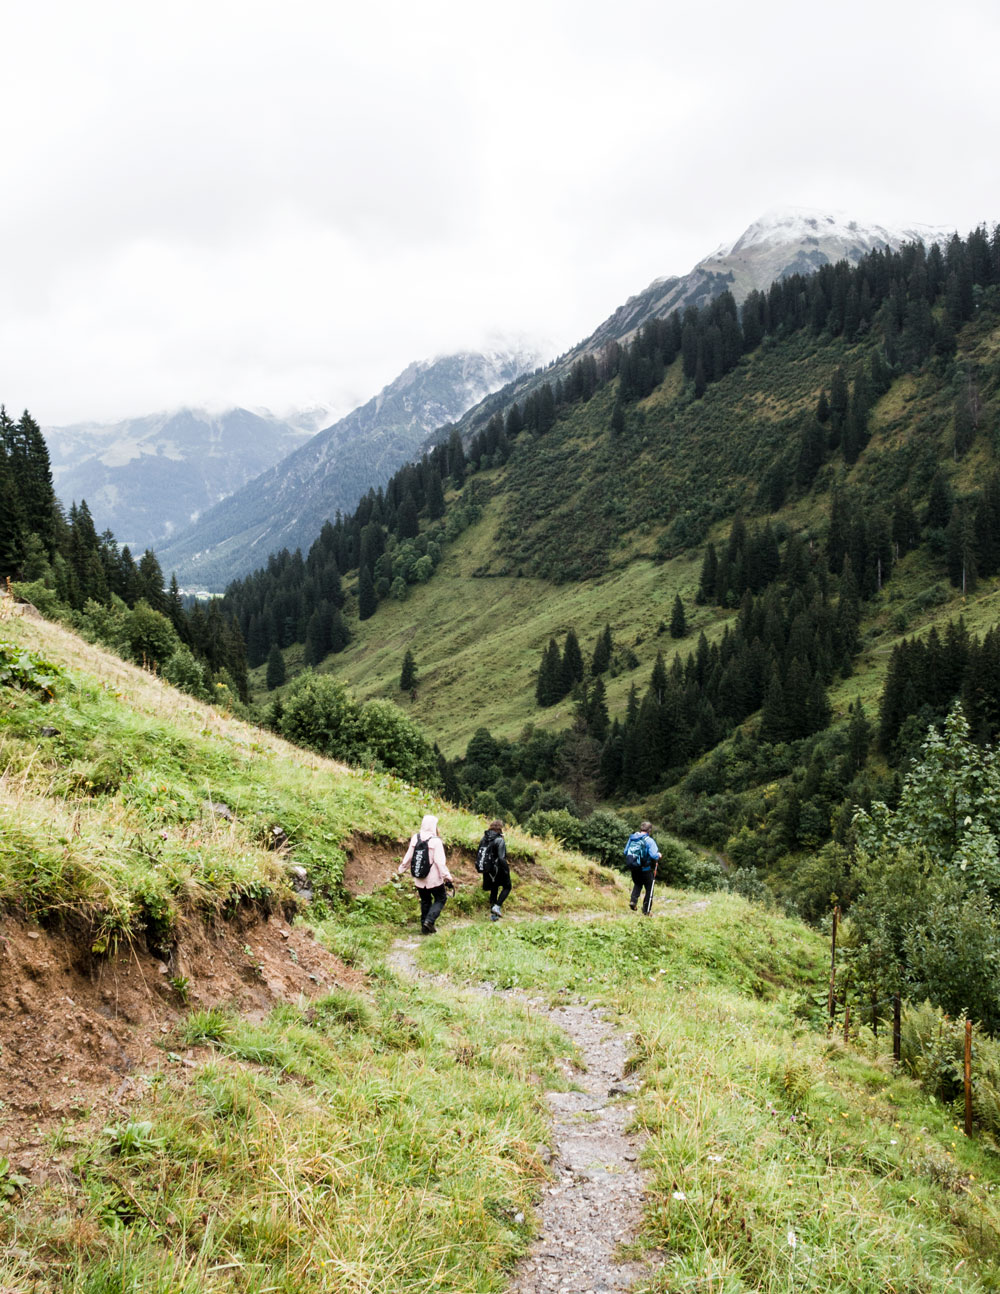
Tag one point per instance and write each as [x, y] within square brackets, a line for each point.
[236, 1098]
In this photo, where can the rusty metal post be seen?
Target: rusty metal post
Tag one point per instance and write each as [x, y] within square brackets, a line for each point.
[897, 1011]
[832, 1002]
[847, 1021]
[968, 1078]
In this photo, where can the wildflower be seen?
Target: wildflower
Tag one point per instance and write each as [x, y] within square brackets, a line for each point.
[679, 1195]
[793, 1239]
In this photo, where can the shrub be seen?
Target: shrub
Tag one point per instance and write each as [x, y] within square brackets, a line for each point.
[559, 824]
[747, 883]
[603, 835]
[391, 739]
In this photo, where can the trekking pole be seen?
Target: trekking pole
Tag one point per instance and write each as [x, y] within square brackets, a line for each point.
[652, 888]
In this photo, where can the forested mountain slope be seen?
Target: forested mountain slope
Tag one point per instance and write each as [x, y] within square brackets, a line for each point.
[811, 478]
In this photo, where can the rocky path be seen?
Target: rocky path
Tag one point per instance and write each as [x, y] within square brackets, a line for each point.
[594, 1203]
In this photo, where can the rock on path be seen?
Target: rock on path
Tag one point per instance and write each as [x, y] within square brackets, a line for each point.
[594, 1203]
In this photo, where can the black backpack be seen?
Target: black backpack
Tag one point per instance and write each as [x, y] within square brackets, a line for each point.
[485, 853]
[420, 859]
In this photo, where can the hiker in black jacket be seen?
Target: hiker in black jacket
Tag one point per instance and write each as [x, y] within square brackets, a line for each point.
[492, 856]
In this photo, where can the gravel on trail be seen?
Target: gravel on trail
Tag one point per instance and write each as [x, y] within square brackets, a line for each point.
[593, 1204]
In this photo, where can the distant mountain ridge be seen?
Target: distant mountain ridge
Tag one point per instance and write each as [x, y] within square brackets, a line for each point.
[783, 241]
[148, 478]
[286, 505]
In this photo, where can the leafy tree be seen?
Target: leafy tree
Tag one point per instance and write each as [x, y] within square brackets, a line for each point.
[392, 740]
[150, 637]
[949, 808]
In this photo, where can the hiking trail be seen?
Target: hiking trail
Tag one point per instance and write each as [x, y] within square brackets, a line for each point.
[593, 1203]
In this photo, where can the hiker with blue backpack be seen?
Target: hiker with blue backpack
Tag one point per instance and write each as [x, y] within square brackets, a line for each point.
[429, 869]
[642, 855]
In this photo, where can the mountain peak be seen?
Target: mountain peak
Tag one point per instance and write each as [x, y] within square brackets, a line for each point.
[811, 226]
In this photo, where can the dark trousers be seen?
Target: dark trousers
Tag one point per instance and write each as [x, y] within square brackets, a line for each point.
[499, 889]
[431, 904]
[642, 881]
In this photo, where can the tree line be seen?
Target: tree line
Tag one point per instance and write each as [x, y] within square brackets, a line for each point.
[67, 568]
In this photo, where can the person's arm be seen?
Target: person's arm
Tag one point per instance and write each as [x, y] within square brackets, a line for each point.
[437, 848]
[406, 857]
[501, 846]
[652, 848]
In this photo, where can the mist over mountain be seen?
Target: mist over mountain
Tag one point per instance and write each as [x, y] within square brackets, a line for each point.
[147, 478]
[286, 505]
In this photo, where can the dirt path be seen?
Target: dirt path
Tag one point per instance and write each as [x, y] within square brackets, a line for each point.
[594, 1202]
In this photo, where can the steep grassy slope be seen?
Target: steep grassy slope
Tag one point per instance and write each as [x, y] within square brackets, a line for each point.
[357, 1131]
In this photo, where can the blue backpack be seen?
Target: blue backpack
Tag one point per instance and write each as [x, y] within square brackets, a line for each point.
[636, 852]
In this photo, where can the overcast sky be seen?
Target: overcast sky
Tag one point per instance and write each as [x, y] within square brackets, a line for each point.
[266, 203]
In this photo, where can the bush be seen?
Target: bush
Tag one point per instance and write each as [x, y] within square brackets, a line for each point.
[820, 881]
[703, 874]
[319, 714]
[559, 824]
[603, 836]
[186, 673]
[747, 883]
[391, 739]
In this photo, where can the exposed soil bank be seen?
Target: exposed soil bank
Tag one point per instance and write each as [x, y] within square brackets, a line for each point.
[78, 1032]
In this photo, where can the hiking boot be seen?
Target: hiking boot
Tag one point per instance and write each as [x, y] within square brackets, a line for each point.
[426, 930]
[632, 906]
[496, 912]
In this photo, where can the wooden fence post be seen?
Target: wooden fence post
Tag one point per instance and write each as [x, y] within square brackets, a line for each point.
[896, 1027]
[968, 1078]
[847, 1020]
[832, 1002]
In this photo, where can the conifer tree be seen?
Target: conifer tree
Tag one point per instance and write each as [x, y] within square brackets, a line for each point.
[456, 458]
[571, 668]
[602, 652]
[549, 682]
[275, 668]
[408, 674]
[597, 717]
[367, 600]
[678, 620]
[435, 497]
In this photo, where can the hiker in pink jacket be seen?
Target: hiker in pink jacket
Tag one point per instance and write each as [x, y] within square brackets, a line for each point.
[429, 869]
